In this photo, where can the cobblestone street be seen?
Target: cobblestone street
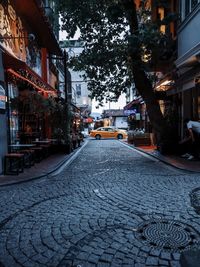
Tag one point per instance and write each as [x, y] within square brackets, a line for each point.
[112, 206]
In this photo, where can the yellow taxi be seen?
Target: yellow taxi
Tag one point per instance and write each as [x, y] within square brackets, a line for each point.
[108, 132]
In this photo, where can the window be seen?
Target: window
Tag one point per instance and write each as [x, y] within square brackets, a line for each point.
[78, 90]
[161, 16]
[110, 129]
[193, 3]
[190, 5]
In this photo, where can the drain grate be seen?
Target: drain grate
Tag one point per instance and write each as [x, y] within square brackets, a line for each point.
[166, 234]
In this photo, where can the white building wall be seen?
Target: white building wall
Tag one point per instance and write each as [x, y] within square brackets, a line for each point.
[189, 38]
[79, 86]
[121, 122]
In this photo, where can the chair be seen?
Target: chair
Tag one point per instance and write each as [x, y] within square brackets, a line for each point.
[29, 157]
[13, 163]
[39, 153]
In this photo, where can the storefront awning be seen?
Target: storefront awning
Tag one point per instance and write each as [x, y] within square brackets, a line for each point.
[136, 101]
[19, 70]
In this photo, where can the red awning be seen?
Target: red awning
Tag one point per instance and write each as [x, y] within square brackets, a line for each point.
[136, 101]
[20, 70]
[88, 120]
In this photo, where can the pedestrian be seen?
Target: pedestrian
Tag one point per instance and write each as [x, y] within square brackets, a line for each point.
[185, 145]
[74, 140]
[194, 133]
[79, 138]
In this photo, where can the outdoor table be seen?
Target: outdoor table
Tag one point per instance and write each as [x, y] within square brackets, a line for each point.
[53, 141]
[21, 146]
[41, 142]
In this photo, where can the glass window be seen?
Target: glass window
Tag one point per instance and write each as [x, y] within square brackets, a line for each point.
[110, 130]
[78, 90]
[193, 3]
[187, 7]
[13, 113]
[190, 5]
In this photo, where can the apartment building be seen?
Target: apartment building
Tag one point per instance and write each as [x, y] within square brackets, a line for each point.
[188, 61]
[80, 93]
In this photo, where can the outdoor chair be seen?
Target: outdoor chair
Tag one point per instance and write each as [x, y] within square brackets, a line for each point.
[29, 157]
[39, 153]
[13, 163]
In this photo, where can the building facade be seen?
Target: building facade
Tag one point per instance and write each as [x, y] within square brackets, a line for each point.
[188, 61]
[181, 83]
[80, 94]
[28, 79]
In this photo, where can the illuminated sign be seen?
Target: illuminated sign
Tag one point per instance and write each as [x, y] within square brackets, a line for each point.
[2, 98]
[130, 112]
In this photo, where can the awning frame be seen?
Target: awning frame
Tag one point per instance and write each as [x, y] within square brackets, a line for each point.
[20, 69]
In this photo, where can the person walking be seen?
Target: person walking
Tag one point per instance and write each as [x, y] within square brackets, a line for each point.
[194, 132]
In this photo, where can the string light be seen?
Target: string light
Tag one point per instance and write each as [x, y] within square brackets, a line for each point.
[26, 76]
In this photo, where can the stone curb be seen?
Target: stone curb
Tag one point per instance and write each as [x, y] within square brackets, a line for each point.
[57, 169]
[159, 158]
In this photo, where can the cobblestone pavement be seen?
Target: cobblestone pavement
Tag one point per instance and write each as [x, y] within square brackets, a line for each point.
[110, 207]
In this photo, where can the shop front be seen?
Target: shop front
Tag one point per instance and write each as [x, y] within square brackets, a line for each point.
[136, 112]
[27, 86]
[28, 102]
[3, 117]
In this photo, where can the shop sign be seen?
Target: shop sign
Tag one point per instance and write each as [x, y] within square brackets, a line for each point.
[11, 26]
[130, 112]
[2, 98]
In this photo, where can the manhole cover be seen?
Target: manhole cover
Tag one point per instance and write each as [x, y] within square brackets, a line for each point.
[168, 235]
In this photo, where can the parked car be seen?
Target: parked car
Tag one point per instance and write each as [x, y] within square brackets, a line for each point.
[108, 132]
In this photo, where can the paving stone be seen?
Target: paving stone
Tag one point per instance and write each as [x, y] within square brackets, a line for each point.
[155, 252]
[151, 261]
[165, 255]
[93, 258]
[103, 264]
[106, 257]
[86, 214]
[176, 256]
[163, 263]
[175, 264]
[146, 249]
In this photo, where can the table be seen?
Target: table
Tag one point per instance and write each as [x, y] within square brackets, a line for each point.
[18, 146]
[41, 142]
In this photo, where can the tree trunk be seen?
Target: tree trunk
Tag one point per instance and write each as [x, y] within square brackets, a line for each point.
[165, 135]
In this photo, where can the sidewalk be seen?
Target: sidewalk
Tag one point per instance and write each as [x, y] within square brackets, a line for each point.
[46, 167]
[173, 160]
[54, 162]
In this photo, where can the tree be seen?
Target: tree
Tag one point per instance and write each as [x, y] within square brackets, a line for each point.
[119, 39]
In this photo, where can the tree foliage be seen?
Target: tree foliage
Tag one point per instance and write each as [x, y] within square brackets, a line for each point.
[119, 40]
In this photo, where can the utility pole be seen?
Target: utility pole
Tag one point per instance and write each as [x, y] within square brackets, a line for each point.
[66, 109]
[65, 58]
